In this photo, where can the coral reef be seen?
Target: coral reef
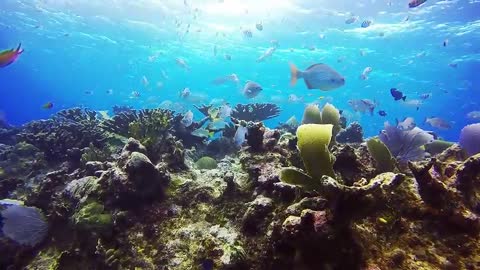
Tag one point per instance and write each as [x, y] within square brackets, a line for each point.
[153, 129]
[352, 134]
[255, 112]
[279, 202]
[72, 128]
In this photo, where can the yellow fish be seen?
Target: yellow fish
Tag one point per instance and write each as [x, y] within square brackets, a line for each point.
[9, 56]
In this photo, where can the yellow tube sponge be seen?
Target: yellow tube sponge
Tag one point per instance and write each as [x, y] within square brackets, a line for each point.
[313, 141]
[312, 115]
[330, 115]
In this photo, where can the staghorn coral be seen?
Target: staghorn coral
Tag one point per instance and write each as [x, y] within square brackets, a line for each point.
[255, 112]
[72, 128]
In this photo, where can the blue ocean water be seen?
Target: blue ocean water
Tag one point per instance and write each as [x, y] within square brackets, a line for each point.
[96, 53]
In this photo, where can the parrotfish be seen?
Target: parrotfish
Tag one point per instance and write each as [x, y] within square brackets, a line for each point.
[7, 57]
[317, 76]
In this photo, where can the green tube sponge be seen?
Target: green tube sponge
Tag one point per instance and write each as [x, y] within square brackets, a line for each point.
[381, 154]
[313, 141]
[206, 163]
[312, 115]
[294, 176]
[330, 115]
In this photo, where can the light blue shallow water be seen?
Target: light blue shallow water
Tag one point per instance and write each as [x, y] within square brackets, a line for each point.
[74, 46]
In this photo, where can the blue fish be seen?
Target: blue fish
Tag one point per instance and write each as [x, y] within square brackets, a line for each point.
[366, 23]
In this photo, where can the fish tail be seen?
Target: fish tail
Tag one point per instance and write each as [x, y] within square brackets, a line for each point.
[293, 74]
[404, 97]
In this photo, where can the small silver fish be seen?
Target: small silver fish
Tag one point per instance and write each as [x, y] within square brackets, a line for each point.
[407, 124]
[225, 79]
[239, 137]
[474, 115]
[351, 20]
[185, 92]
[366, 71]
[187, 119]
[251, 89]
[362, 105]
[225, 111]
[267, 54]
[437, 122]
[317, 76]
[182, 63]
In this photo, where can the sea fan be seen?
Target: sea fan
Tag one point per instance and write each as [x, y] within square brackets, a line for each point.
[22, 224]
[405, 145]
[470, 139]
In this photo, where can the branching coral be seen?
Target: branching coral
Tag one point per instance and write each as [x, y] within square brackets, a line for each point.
[72, 128]
[255, 112]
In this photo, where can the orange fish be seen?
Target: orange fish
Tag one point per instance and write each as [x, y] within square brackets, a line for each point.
[9, 56]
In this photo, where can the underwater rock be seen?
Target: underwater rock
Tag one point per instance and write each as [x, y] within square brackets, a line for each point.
[255, 136]
[349, 164]
[254, 217]
[438, 190]
[313, 203]
[352, 134]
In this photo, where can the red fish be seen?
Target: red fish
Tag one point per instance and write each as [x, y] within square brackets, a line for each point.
[9, 56]
[416, 3]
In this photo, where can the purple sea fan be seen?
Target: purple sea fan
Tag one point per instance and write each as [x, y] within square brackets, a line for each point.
[470, 139]
[22, 224]
[405, 145]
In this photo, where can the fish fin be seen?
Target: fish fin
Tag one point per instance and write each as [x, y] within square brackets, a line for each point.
[314, 65]
[293, 74]
[404, 97]
[18, 48]
[309, 86]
